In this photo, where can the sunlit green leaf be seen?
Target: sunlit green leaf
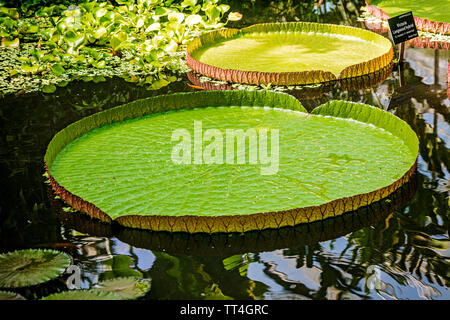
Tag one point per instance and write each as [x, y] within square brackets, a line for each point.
[193, 19]
[50, 88]
[176, 16]
[171, 47]
[161, 11]
[13, 72]
[122, 36]
[188, 3]
[31, 29]
[153, 27]
[57, 69]
[115, 42]
[98, 79]
[10, 43]
[99, 64]
[100, 32]
[13, 13]
[30, 69]
[100, 12]
[223, 8]
[140, 23]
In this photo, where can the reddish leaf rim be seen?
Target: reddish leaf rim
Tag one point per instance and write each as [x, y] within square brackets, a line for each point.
[306, 93]
[422, 42]
[200, 244]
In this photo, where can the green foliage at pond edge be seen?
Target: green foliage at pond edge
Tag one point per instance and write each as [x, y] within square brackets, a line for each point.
[140, 41]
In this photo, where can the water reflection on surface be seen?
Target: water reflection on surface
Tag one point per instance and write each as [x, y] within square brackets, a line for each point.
[299, 263]
[401, 252]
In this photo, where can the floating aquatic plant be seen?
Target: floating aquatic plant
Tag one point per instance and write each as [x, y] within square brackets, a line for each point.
[429, 15]
[336, 159]
[140, 41]
[29, 267]
[7, 295]
[127, 288]
[288, 53]
[91, 294]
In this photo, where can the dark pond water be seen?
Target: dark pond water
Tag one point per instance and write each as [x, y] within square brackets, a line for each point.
[396, 249]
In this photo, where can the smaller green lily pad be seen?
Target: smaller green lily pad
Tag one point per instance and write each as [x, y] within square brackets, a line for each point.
[7, 295]
[83, 295]
[29, 267]
[127, 288]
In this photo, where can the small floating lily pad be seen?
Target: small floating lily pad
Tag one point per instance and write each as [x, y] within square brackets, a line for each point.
[91, 294]
[29, 267]
[288, 53]
[7, 295]
[118, 164]
[127, 288]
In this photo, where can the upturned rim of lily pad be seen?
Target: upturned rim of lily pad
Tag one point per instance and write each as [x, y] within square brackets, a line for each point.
[422, 42]
[421, 23]
[427, 43]
[232, 223]
[20, 268]
[288, 78]
[304, 92]
[200, 244]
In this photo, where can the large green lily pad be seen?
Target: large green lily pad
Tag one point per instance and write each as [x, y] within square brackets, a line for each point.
[119, 164]
[24, 268]
[434, 10]
[288, 53]
[429, 15]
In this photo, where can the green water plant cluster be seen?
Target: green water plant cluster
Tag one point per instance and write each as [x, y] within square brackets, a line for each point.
[139, 40]
[31, 267]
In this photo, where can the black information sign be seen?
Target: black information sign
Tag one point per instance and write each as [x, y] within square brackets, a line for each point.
[403, 28]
